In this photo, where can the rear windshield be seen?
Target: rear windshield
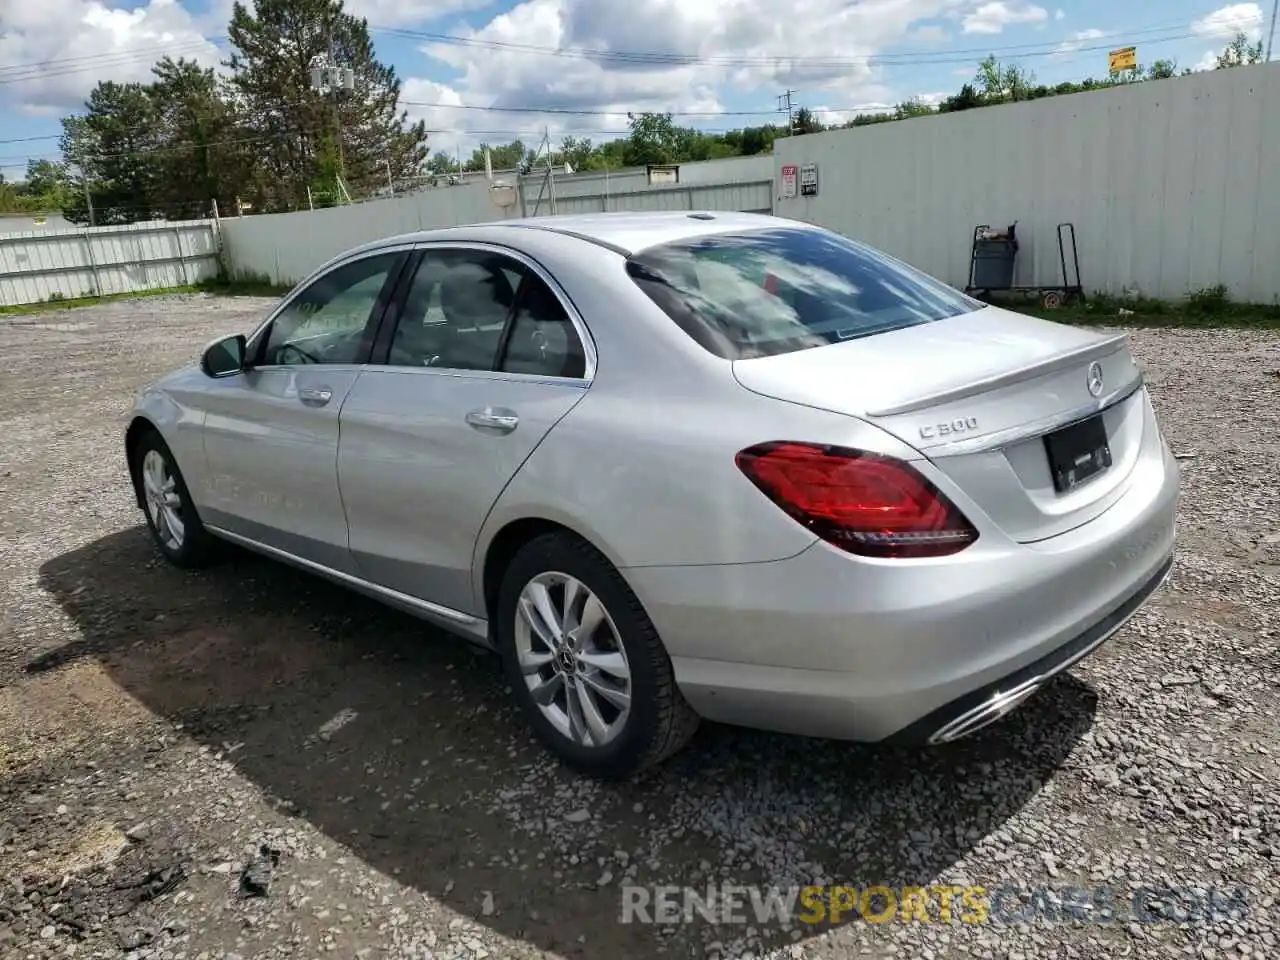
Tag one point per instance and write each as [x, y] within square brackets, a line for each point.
[765, 292]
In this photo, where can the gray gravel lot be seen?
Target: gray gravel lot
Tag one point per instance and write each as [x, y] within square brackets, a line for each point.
[160, 730]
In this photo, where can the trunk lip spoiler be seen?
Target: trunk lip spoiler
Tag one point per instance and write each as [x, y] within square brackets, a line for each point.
[993, 442]
[1090, 351]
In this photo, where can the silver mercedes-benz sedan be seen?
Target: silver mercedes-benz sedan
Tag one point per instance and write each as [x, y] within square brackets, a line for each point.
[682, 465]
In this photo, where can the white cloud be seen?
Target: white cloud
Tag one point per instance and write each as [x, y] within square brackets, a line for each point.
[66, 46]
[993, 17]
[1227, 21]
[930, 34]
[1059, 14]
[720, 46]
[1078, 40]
[1207, 62]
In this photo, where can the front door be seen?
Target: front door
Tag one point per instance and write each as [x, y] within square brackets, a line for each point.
[482, 362]
[271, 434]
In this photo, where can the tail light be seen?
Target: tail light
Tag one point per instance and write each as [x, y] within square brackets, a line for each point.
[864, 503]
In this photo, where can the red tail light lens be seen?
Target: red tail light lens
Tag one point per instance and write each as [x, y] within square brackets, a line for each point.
[864, 503]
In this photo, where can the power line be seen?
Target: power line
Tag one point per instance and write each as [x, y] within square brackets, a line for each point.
[128, 51]
[36, 70]
[27, 73]
[906, 58]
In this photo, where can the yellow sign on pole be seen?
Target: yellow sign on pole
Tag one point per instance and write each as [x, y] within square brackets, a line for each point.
[1126, 58]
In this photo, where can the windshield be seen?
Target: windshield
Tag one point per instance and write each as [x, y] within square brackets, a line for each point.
[765, 292]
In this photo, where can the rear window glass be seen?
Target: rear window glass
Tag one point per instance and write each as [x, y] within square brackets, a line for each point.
[765, 292]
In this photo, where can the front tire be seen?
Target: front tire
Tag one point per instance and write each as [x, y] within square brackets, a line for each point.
[171, 516]
[586, 663]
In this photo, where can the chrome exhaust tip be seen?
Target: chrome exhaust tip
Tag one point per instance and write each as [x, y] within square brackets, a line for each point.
[989, 711]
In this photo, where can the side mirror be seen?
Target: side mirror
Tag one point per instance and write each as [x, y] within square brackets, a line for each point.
[224, 357]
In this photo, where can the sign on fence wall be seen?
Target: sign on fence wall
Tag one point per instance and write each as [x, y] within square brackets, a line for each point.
[790, 176]
[1126, 58]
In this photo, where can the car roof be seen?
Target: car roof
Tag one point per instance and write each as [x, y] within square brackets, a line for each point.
[624, 232]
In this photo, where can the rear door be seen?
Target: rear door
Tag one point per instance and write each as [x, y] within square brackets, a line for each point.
[271, 433]
[480, 356]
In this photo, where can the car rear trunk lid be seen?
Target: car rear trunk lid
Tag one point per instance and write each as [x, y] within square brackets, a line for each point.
[977, 395]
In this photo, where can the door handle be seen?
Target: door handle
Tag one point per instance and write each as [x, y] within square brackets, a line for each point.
[315, 396]
[488, 419]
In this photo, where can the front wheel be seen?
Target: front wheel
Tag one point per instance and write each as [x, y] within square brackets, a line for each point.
[586, 663]
[171, 516]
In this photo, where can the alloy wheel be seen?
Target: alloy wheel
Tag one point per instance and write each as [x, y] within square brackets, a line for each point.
[572, 659]
[164, 506]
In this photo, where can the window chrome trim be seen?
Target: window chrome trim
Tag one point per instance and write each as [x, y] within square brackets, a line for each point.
[588, 343]
[461, 373]
[992, 442]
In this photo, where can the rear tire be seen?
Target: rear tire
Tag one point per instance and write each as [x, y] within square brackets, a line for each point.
[171, 516]
[602, 646]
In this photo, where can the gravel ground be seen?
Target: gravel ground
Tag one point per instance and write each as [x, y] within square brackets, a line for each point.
[248, 763]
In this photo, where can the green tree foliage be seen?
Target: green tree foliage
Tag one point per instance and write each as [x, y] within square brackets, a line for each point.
[1239, 53]
[263, 135]
[361, 135]
[116, 146]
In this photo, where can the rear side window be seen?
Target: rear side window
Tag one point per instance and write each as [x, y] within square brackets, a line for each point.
[766, 292]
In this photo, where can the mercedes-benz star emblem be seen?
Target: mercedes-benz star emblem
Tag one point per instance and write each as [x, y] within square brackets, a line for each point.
[1094, 379]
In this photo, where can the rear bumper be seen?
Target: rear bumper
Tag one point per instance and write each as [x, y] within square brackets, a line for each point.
[984, 706]
[826, 645]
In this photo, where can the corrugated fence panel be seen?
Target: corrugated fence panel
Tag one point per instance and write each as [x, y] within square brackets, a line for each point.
[98, 261]
[289, 246]
[1167, 183]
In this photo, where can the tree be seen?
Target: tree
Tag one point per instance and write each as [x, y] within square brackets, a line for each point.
[361, 135]
[967, 99]
[914, 107]
[999, 82]
[1239, 52]
[206, 155]
[806, 122]
[442, 163]
[114, 146]
[45, 178]
[508, 156]
[579, 153]
[654, 139]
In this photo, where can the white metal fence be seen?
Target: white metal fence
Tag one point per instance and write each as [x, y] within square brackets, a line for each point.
[1171, 184]
[49, 265]
[287, 246]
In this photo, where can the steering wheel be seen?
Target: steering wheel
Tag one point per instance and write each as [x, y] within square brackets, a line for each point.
[293, 348]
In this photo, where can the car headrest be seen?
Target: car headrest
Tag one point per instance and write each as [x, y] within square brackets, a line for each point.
[472, 294]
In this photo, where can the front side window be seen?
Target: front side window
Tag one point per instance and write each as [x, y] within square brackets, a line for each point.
[326, 322]
[765, 292]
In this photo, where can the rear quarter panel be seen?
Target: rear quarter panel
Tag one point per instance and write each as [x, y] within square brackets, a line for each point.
[644, 466]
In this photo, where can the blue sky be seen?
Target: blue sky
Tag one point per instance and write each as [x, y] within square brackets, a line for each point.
[476, 70]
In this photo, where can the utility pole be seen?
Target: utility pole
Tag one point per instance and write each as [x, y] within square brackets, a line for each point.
[1275, 9]
[88, 196]
[784, 105]
[329, 79]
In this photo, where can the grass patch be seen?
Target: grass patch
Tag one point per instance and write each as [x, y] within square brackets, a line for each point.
[245, 284]
[252, 286]
[59, 302]
[1207, 309]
